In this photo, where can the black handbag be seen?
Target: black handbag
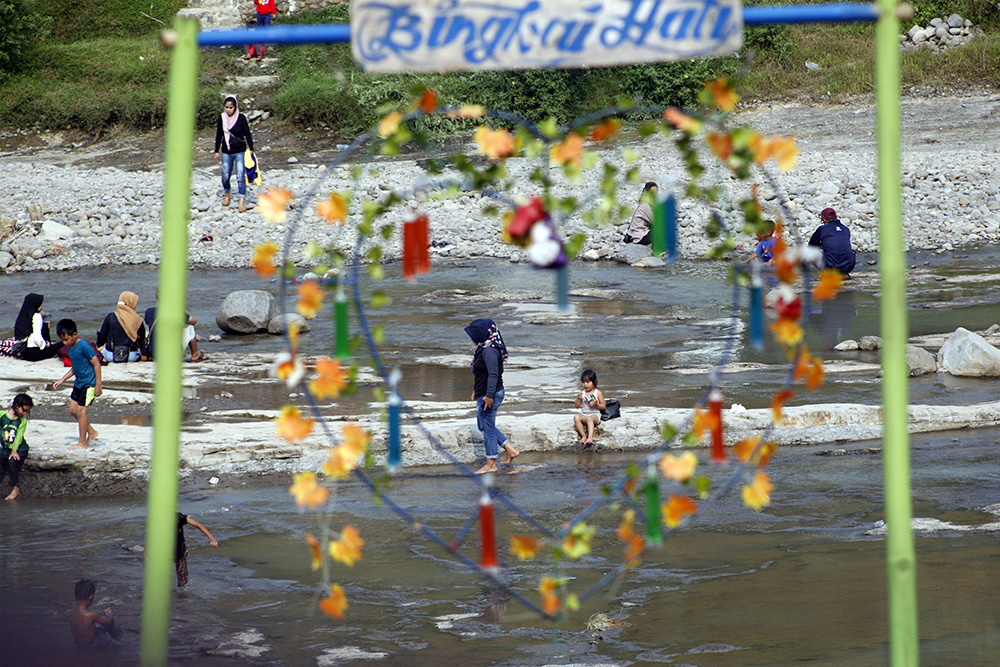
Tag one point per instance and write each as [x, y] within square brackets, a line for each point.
[612, 410]
[120, 353]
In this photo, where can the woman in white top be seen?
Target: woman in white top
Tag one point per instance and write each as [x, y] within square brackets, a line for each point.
[32, 327]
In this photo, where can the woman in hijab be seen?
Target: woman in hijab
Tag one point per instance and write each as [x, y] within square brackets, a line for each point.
[232, 136]
[123, 332]
[30, 326]
[487, 369]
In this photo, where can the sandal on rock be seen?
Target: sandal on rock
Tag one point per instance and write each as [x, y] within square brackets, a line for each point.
[201, 357]
[259, 58]
[243, 208]
[248, 56]
[225, 199]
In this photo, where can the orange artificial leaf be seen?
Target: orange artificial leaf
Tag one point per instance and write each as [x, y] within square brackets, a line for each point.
[801, 364]
[778, 402]
[263, 258]
[625, 531]
[273, 204]
[317, 555]
[679, 468]
[389, 125]
[721, 144]
[468, 112]
[333, 209]
[335, 604]
[752, 452]
[829, 282]
[758, 493]
[569, 150]
[332, 378]
[784, 268]
[677, 508]
[494, 144]
[788, 332]
[605, 130]
[428, 102]
[703, 421]
[344, 457]
[289, 367]
[347, 549]
[785, 151]
[682, 121]
[723, 93]
[292, 426]
[550, 601]
[814, 374]
[307, 492]
[523, 546]
[310, 298]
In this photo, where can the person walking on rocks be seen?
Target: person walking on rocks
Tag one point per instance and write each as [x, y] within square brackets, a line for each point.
[266, 10]
[834, 238]
[123, 333]
[87, 385]
[13, 446]
[487, 370]
[642, 218]
[232, 136]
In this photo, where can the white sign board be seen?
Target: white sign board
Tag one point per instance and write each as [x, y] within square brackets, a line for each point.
[443, 35]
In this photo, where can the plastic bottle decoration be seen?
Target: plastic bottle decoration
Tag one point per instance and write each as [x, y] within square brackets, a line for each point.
[395, 459]
[562, 287]
[416, 247]
[343, 346]
[487, 531]
[664, 238]
[715, 410]
[756, 309]
[654, 516]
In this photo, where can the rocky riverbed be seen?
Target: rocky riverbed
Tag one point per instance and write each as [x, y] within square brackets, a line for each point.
[69, 204]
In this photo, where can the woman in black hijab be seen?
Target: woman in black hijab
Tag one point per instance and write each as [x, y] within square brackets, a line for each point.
[30, 326]
[487, 369]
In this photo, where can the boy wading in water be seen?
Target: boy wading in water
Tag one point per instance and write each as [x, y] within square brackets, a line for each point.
[180, 556]
[91, 629]
[87, 385]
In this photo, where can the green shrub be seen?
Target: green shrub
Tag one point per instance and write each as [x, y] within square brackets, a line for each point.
[20, 31]
[73, 20]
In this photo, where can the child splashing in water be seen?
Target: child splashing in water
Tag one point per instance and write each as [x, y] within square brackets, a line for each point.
[590, 401]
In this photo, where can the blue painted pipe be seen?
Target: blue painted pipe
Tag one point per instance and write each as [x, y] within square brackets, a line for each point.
[332, 33]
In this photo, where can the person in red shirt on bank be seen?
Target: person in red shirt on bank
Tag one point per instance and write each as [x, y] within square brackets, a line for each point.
[266, 10]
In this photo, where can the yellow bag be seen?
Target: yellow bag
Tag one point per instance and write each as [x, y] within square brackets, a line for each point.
[252, 170]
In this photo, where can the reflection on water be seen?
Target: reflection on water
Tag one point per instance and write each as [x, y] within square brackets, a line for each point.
[802, 580]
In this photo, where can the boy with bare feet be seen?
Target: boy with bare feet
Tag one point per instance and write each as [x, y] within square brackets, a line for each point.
[591, 402]
[87, 385]
[13, 446]
[91, 629]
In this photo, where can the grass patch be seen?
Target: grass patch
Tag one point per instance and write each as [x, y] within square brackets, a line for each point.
[78, 20]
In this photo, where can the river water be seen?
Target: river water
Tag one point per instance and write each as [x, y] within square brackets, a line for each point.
[802, 581]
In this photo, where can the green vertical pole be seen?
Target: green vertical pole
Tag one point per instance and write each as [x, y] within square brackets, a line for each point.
[901, 561]
[161, 521]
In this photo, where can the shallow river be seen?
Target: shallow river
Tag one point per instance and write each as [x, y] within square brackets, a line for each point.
[801, 581]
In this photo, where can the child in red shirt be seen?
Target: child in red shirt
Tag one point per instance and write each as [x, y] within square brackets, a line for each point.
[266, 10]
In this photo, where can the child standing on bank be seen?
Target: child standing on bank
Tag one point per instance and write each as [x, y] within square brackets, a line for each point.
[590, 401]
[91, 629]
[13, 446]
[87, 385]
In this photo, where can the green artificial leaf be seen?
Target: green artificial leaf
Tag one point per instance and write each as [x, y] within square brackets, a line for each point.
[631, 156]
[374, 254]
[380, 299]
[702, 485]
[549, 127]
[376, 271]
[379, 393]
[378, 335]
[575, 244]
[491, 210]
[668, 432]
[387, 231]
[647, 128]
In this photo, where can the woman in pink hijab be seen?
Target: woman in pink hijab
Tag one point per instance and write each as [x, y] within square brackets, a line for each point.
[232, 135]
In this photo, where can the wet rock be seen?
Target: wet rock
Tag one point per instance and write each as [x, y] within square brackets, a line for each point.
[846, 346]
[630, 253]
[246, 312]
[869, 343]
[968, 354]
[280, 324]
[650, 263]
[919, 361]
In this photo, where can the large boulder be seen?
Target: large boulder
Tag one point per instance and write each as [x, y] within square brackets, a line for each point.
[246, 311]
[631, 253]
[966, 353]
[919, 361]
[279, 324]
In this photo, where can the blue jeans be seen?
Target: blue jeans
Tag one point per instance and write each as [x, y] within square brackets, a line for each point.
[263, 20]
[228, 160]
[486, 420]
